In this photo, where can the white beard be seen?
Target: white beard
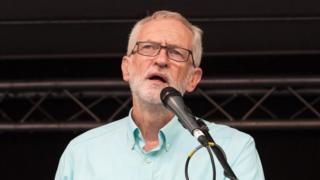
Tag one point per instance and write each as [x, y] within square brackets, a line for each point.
[150, 93]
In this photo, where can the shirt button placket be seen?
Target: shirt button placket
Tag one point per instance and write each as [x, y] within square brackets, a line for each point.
[147, 160]
[147, 168]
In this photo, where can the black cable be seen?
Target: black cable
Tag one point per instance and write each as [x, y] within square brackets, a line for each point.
[219, 153]
[212, 163]
[188, 160]
[211, 159]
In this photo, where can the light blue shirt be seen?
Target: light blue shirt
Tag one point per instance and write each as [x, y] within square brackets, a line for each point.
[115, 152]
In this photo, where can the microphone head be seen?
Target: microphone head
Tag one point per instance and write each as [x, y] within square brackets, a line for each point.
[168, 92]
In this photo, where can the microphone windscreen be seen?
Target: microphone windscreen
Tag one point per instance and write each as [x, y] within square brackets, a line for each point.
[167, 92]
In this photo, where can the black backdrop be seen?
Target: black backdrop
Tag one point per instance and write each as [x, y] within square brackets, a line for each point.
[42, 39]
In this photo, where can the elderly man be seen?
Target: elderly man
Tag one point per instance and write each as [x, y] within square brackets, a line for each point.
[164, 50]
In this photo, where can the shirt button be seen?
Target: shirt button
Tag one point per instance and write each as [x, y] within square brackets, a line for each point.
[147, 160]
[156, 175]
[167, 146]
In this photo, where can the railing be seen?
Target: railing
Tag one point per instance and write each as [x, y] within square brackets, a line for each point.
[247, 103]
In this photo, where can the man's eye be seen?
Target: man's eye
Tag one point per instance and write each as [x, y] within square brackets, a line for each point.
[175, 52]
[149, 46]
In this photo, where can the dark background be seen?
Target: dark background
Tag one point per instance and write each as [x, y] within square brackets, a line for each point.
[58, 40]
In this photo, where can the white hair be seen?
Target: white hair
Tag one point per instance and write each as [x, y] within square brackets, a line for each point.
[197, 32]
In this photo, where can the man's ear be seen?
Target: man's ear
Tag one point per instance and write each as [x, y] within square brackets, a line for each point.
[194, 79]
[124, 68]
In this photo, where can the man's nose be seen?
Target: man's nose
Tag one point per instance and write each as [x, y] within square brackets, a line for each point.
[162, 58]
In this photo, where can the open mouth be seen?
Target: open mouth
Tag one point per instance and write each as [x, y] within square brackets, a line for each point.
[158, 78]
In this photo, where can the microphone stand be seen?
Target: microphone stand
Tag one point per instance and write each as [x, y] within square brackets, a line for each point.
[218, 151]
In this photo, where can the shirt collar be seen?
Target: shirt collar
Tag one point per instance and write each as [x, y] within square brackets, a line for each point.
[132, 127]
[171, 131]
[168, 134]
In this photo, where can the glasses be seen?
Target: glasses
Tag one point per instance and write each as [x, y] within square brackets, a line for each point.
[152, 49]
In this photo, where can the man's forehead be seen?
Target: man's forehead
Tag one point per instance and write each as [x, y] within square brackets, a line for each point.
[166, 32]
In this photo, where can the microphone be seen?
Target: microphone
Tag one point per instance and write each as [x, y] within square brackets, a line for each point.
[172, 100]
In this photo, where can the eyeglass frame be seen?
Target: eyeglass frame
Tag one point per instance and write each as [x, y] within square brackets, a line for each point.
[163, 47]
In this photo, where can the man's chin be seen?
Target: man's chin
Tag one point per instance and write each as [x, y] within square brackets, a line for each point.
[152, 97]
[151, 93]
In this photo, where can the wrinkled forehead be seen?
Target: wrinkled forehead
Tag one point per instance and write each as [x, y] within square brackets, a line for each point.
[166, 31]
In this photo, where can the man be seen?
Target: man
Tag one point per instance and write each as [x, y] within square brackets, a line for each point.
[163, 50]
